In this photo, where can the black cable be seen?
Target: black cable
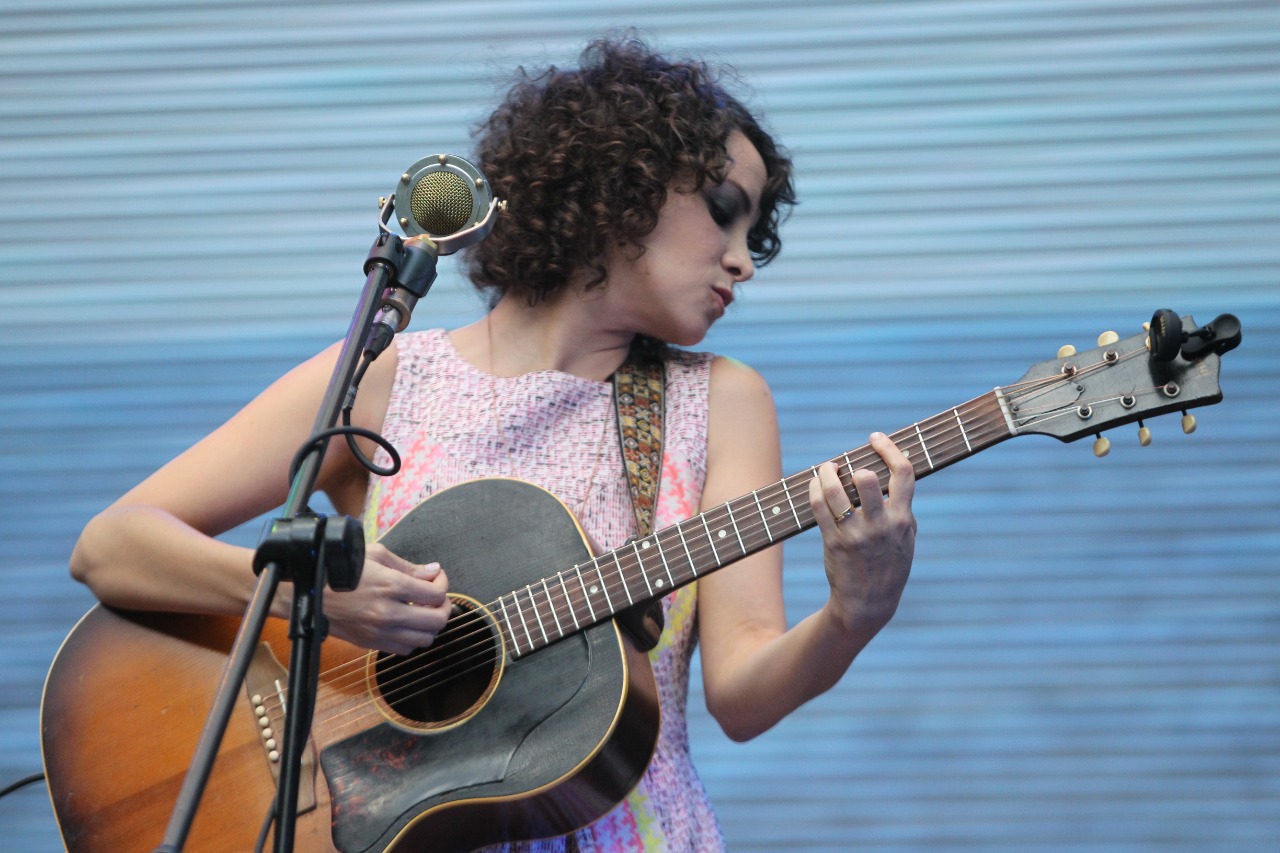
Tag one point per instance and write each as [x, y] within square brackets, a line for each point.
[21, 783]
[312, 444]
[368, 463]
[350, 432]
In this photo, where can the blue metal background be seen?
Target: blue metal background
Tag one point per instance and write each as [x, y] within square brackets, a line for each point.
[1088, 654]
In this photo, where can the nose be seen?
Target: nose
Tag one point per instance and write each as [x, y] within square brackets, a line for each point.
[737, 260]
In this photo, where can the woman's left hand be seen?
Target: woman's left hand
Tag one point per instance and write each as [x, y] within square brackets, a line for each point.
[868, 551]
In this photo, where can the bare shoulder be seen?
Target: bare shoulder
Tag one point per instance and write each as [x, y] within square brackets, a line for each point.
[730, 376]
[738, 393]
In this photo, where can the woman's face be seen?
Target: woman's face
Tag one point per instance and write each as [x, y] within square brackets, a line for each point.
[685, 279]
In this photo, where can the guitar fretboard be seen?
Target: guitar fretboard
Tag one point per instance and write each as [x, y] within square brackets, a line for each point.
[646, 568]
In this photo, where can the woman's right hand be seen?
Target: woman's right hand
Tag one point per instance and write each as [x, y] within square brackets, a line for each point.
[397, 607]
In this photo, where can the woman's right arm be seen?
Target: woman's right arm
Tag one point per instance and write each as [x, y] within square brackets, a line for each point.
[153, 549]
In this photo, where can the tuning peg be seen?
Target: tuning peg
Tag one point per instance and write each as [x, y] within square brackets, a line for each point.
[1065, 351]
[1144, 435]
[1107, 338]
[1101, 447]
[1188, 423]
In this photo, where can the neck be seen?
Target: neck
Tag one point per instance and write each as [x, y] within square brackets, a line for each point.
[566, 336]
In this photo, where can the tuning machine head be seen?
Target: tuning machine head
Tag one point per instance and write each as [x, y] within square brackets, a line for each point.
[1166, 338]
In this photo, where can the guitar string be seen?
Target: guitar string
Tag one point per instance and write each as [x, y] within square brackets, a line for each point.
[531, 590]
[434, 679]
[569, 604]
[748, 532]
[436, 673]
[488, 644]
[489, 640]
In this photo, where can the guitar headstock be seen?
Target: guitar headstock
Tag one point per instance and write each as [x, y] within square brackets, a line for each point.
[1122, 381]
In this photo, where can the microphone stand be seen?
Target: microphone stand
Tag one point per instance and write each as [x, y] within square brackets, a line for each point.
[301, 547]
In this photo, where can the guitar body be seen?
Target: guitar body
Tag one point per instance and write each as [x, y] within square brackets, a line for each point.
[507, 747]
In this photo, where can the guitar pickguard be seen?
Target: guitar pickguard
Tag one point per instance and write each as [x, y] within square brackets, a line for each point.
[384, 777]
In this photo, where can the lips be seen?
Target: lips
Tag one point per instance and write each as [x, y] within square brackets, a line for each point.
[725, 294]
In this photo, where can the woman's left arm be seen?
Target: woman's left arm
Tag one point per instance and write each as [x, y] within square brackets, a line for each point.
[755, 670]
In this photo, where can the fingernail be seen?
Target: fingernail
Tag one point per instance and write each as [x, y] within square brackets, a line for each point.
[431, 570]
[876, 435]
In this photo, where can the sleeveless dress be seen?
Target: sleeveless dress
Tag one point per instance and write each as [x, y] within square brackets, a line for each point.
[452, 422]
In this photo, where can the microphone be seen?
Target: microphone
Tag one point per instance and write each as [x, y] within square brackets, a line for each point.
[443, 197]
[445, 204]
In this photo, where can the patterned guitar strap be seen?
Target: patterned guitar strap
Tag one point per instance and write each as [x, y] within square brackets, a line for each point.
[638, 391]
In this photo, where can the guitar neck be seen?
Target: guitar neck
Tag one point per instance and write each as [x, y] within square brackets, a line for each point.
[650, 567]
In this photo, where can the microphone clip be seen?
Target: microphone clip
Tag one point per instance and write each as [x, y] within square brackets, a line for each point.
[410, 267]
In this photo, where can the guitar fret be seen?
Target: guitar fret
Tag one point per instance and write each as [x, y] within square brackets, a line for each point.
[751, 534]
[506, 620]
[662, 555]
[786, 490]
[515, 602]
[552, 605]
[923, 446]
[722, 534]
[963, 434]
[711, 540]
[644, 572]
[604, 587]
[848, 463]
[537, 619]
[573, 611]
[693, 567]
[734, 524]
[585, 595]
[623, 575]
[763, 518]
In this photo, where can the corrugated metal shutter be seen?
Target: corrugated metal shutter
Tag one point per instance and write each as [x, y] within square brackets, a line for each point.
[1087, 654]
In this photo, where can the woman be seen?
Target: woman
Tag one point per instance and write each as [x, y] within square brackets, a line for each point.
[640, 196]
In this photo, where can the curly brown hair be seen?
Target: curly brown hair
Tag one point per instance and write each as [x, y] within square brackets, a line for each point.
[585, 157]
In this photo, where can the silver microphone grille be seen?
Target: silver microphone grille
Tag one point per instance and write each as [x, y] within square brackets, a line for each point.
[441, 195]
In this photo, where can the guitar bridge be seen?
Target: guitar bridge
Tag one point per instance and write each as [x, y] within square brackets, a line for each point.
[264, 687]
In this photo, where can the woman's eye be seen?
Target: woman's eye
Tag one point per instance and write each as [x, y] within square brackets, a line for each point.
[722, 209]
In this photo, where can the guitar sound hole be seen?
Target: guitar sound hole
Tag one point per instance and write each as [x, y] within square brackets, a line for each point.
[448, 681]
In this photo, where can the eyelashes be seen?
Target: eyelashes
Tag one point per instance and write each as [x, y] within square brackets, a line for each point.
[722, 206]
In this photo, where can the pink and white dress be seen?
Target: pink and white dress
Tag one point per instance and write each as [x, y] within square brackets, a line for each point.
[451, 422]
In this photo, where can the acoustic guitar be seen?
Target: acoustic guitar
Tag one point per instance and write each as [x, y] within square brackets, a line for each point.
[532, 714]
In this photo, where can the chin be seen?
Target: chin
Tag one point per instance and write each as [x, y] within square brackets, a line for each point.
[688, 339]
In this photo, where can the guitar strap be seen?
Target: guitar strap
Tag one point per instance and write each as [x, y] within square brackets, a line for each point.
[639, 393]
